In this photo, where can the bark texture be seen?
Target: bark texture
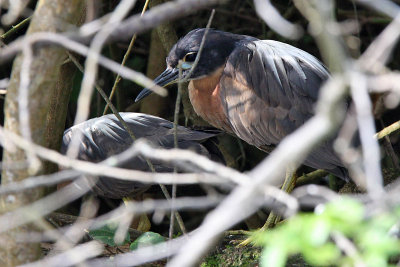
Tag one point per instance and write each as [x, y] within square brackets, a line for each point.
[49, 90]
[166, 39]
[155, 104]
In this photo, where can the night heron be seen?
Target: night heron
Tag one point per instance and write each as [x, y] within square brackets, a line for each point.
[258, 90]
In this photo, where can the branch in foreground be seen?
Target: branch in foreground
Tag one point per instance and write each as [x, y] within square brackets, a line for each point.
[241, 202]
[91, 69]
[388, 130]
[37, 181]
[155, 16]
[105, 168]
[71, 257]
[43, 206]
[274, 20]
[61, 40]
[181, 157]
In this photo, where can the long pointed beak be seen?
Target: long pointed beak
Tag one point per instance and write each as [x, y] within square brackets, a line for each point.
[169, 76]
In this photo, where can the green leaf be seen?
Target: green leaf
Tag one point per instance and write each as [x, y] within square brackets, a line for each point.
[344, 214]
[324, 255]
[316, 231]
[274, 255]
[106, 235]
[147, 239]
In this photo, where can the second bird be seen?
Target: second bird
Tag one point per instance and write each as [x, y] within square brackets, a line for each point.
[258, 90]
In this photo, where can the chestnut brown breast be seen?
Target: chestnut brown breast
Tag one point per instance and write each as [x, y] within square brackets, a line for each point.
[205, 97]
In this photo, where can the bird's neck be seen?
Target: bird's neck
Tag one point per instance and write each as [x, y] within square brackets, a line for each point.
[205, 97]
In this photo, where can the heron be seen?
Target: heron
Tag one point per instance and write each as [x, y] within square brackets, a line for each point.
[257, 90]
[105, 136]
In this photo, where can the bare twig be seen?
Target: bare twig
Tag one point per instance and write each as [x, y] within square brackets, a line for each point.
[61, 40]
[4, 83]
[15, 28]
[274, 20]
[203, 40]
[182, 157]
[130, 132]
[269, 171]
[104, 167]
[366, 124]
[177, 107]
[91, 69]
[43, 180]
[157, 15]
[388, 130]
[43, 206]
[379, 51]
[349, 248]
[71, 257]
[23, 105]
[127, 53]
[14, 11]
[386, 7]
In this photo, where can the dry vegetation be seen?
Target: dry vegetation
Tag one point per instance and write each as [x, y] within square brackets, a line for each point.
[61, 60]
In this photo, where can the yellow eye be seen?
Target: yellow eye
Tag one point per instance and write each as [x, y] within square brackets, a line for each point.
[190, 57]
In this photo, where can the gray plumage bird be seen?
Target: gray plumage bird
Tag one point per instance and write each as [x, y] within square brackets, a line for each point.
[105, 136]
[258, 90]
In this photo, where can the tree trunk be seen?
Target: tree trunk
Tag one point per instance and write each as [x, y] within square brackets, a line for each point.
[168, 37]
[155, 104]
[49, 89]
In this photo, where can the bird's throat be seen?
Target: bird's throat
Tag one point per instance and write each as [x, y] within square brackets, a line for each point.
[205, 97]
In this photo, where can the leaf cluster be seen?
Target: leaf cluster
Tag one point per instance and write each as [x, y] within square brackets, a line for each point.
[106, 235]
[370, 240]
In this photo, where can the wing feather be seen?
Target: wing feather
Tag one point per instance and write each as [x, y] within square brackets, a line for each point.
[270, 89]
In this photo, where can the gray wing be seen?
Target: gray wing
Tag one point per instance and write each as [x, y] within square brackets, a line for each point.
[104, 136]
[270, 90]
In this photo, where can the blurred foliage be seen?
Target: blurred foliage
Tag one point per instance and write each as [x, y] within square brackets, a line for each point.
[106, 235]
[317, 237]
[147, 239]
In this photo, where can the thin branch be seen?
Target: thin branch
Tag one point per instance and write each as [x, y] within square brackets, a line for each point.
[379, 51]
[91, 69]
[43, 206]
[126, 55]
[275, 21]
[37, 181]
[349, 248]
[132, 135]
[242, 199]
[23, 104]
[154, 17]
[61, 40]
[182, 157]
[104, 169]
[16, 28]
[108, 101]
[386, 7]
[71, 257]
[14, 11]
[203, 40]
[388, 130]
[366, 124]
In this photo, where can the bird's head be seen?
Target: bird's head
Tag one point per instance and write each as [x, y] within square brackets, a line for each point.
[218, 45]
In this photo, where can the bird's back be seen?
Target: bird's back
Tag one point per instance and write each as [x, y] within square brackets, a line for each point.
[269, 90]
[105, 136]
